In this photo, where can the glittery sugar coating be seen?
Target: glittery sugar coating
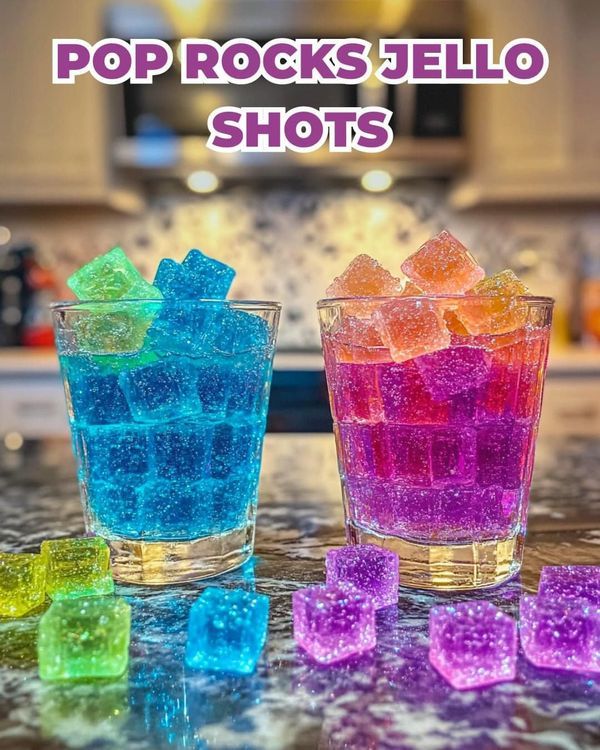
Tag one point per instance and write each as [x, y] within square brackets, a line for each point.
[571, 581]
[84, 638]
[227, 630]
[561, 633]
[412, 327]
[22, 583]
[332, 623]
[499, 311]
[364, 277]
[443, 266]
[472, 644]
[111, 276]
[196, 277]
[77, 567]
[454, 370]
[371, 569]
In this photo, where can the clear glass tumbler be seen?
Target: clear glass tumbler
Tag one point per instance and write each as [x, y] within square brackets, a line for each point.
[167, 403]
[436, 451]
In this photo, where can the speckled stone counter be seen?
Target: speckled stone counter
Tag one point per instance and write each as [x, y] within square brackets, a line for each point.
[389, 699]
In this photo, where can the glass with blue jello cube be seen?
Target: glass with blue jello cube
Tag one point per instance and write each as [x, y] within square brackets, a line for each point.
[167, 389]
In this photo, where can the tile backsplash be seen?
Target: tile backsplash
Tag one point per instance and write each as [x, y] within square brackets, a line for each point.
[288, 243]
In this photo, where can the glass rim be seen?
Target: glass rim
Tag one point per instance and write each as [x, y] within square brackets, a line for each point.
[77, 304]
[530, 299]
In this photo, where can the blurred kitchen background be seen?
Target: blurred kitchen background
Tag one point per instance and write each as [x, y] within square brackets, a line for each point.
[513, 171]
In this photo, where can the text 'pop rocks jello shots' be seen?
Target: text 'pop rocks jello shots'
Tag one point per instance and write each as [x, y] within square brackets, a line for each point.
[167, 389]
[435, 374]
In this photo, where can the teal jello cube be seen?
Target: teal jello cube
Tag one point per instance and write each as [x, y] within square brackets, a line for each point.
[22, 584]
[85, 638]
[111, 276]
[227, 630]
[77, 567]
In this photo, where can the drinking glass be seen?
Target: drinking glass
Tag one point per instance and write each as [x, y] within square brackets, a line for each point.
[435, 452]
[167, 404]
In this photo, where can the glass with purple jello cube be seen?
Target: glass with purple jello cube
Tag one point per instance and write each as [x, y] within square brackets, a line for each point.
[369, 568]
[472, 644]
[332, 623]
[558, 632]
[435, 390]
[572, 581]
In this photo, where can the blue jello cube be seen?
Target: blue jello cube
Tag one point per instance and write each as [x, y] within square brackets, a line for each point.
[227, 630]
[235, 446]
[182, 450]
[175, 509]
[214, 382]
[161, 391]
[115, 508]
[233, 499]
[94, 394]
[197, 277]
[248, 381]
[242, 332]
[185, 328]
[111, 453]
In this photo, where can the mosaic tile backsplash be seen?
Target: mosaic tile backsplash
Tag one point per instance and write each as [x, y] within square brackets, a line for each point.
[287, 243]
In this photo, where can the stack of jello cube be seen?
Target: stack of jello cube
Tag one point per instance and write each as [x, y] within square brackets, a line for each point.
[436, 384]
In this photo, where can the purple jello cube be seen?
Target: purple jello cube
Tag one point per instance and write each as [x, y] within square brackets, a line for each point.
[472, 644]
[572, 582]
[371, 569]
[454, 370]
[332, 623]
[561, 633]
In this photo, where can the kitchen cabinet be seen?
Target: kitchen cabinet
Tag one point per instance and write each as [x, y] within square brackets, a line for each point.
[54, 139]
[534, 143]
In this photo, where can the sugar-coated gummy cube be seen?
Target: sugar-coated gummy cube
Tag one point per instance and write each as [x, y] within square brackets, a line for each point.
[115, 452]
[197, 277]
[411, 328]
[227, 630]
[472, 644]
[358, 340]
[492, 306]
[111, 276]
[571, 581]
[77, 568]
[561, 633]
[451, 371]
[84, 638]
[364, 277]
[22, 583]
[443, 266]
[93, 394]
[369, 568]
[163, 390]
[185, 328]
[239, 332]
[332, 623]
[182, 450]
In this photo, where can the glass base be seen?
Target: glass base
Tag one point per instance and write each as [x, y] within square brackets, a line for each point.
[169, 562]
[451, 567]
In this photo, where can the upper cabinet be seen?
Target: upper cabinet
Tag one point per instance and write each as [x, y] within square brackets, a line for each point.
[536, 143]
[55, 140]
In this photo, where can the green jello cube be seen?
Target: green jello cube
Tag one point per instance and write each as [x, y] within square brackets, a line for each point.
[111, 276]
[22, 583]
[84, 638]
[77, 567]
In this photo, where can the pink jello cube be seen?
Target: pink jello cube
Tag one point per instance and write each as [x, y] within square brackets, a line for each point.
[332, 623]
[364, 277]
[561, 633]
[355, 390]
[472, 644]
[571, 581]
[369, 568]
[412, 327]
[443, 266]
[404, 397]
[451, 371]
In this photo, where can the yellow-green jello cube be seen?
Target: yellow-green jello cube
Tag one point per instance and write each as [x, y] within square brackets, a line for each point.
[22, 583]
[111, 276]
[85, 638]
[77, 567]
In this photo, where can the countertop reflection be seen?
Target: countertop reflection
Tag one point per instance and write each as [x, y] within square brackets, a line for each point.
[391, 698]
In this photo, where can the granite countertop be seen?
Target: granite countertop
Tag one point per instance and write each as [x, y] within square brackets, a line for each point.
[391, 698]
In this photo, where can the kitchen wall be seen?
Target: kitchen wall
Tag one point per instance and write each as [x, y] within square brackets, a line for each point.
[287, 242]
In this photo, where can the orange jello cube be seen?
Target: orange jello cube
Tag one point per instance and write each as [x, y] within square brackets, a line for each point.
[410, 328]
[493, 307]
[411, 290]
[364, 277]
[358, 340]
[443, 266]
